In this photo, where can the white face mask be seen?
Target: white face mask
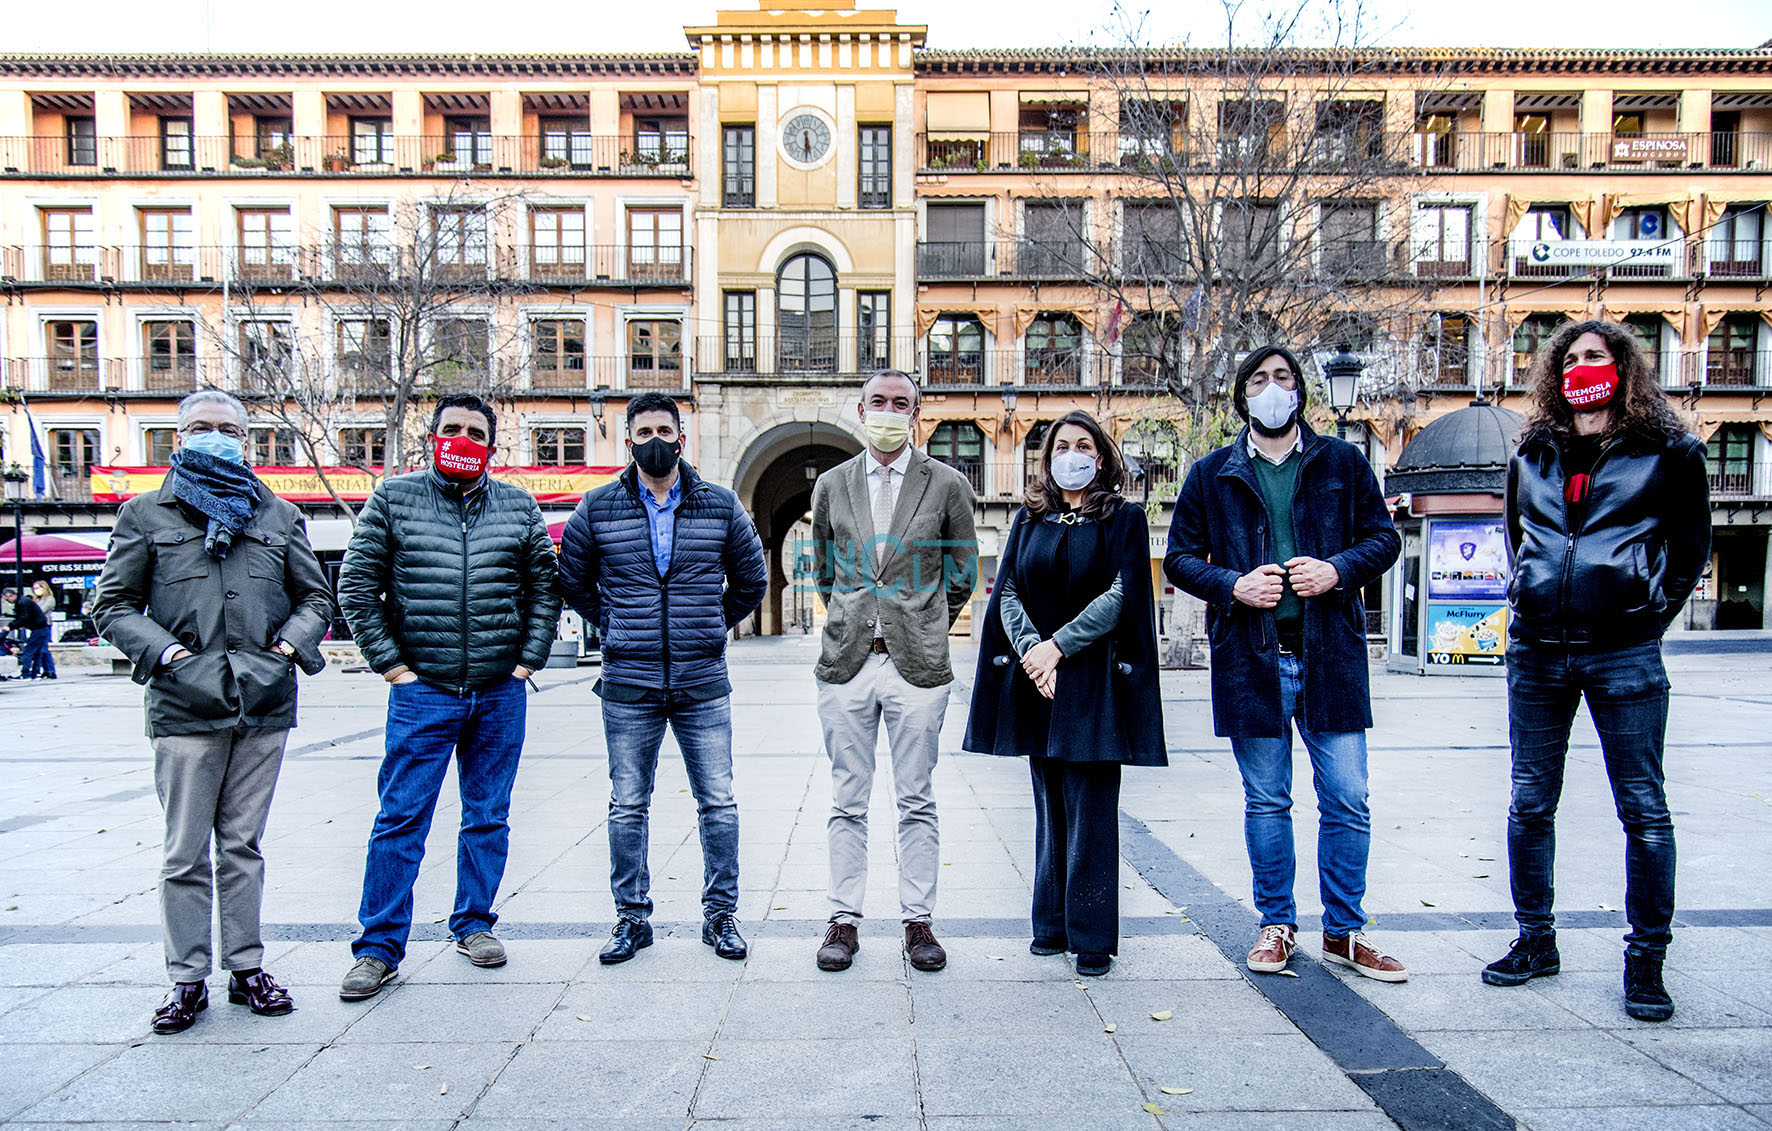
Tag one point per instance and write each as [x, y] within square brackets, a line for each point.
[1274, 406]
[1072, 470]
[887, 431]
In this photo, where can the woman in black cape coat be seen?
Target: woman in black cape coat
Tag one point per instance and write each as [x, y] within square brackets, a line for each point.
[1075, 690]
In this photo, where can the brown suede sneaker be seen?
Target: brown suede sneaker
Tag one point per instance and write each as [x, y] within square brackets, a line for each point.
[919, 943]
[841, 941]
[1273, 949]
[1357, 951]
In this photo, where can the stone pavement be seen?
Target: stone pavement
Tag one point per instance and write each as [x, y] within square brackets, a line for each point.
[678, 1038]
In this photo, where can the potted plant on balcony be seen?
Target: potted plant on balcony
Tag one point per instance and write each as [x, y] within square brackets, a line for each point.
[278, 156]
[242, 161]
[555, 163]
[338, 162]
[1029, 159]
[446, 162]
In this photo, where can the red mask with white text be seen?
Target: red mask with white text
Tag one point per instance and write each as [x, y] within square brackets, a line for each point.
[458, 458]
[1587, 387]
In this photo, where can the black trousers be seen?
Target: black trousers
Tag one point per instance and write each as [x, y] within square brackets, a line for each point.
[1077, 854]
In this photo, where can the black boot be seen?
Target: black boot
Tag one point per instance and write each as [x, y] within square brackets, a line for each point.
[1645, 998]
[1531, 956]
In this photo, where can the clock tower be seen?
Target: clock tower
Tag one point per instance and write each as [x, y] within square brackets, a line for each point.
[806, 238]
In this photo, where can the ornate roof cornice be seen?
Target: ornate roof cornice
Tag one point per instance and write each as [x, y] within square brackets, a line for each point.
[254, 65]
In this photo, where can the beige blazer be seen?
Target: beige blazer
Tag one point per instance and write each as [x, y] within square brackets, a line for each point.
[927, 574]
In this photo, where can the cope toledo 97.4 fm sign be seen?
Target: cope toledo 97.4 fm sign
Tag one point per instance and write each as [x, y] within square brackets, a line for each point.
[1467, 592]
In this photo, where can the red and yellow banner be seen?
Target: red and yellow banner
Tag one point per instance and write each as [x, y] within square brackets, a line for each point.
[559, 484]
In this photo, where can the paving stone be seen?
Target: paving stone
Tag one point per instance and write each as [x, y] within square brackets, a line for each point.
[154, 1082]
[1227, 1007]
[527, 960]
[1599, 999]
[822, 1079]
[481, 1013]
[381, 1082]
[81, 1014]
[30, 1072]
[581, 1086]
[1293, 1075]
[1586, 1068]
[831, 1007]
[636, 1011]
[1733, 1063]
[1661, 1118]
[46, 964]
[1462, 1001]
[1024, 1075]
[962, 1009]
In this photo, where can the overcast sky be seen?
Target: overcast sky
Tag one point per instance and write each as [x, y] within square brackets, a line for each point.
[620, 25]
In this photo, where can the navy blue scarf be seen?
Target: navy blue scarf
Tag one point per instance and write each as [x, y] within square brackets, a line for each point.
[224, 492]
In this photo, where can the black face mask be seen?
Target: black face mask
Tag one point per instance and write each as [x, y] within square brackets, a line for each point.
[1274, 433]
[658, 456]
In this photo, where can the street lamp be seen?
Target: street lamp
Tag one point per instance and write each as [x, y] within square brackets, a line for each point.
[16, 480]
[1343, 373]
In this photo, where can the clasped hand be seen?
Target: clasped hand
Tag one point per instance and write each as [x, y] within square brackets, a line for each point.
[1263, 586]
[1041, 666]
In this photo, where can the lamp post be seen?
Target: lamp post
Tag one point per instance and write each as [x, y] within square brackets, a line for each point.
[16, 480]
[1343, 374]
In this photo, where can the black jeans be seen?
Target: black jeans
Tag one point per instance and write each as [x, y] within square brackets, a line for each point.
[1077, 854]
[1626, 693]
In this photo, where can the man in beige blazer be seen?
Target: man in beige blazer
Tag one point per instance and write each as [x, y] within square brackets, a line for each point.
[895, 560]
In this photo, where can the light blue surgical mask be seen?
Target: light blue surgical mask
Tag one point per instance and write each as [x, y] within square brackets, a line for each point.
[218, 445]
[1072, 470]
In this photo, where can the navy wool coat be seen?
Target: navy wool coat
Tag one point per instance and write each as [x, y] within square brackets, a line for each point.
[1107, 707]
[1220, 532]
[665, 631]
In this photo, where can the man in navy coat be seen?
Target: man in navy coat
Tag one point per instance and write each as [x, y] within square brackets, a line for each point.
[1278, 532]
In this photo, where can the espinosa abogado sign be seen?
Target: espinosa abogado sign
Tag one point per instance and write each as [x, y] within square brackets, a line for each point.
[1531, 256]
[557, 484]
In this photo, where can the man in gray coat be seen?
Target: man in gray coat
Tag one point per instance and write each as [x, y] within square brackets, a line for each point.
[895, 559]
[212, 592]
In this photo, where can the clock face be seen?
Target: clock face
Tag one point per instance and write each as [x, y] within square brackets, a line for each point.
[806, 138]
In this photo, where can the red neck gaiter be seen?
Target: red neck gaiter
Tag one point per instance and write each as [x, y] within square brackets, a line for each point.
[1587, 387]
[458, 458]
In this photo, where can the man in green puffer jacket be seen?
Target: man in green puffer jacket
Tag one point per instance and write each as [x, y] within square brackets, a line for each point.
[448, 586]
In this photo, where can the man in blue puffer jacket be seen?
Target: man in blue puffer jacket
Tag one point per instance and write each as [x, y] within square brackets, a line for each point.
[665, 563]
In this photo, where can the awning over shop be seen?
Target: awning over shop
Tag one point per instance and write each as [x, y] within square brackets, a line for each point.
[43, 548]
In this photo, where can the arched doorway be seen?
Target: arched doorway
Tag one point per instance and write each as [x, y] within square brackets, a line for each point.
[774, 482]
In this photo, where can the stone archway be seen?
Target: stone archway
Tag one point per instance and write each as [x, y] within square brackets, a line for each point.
[774, 482]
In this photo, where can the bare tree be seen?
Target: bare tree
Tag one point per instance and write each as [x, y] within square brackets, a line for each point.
[1257, 196]
[390, 308]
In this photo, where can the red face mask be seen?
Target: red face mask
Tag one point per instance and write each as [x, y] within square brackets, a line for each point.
[1587, 387]
[458, 458]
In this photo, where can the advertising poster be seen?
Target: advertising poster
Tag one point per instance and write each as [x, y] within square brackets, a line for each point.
[1467, 560]
[1466, 634]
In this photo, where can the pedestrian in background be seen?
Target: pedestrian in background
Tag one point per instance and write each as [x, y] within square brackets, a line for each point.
[448, 585]
[1608, 523]
[30, 624]
[211, 590]
[895, 561]
[1067, 676]
[665, 563]
[1278, 531]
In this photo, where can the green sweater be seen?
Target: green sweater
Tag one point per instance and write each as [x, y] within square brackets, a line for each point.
[1279, 482]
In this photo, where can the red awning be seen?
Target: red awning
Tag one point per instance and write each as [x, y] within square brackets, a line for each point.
[56, 548]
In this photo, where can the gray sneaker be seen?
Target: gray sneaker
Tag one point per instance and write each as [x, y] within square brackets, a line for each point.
[366, 979]
[482, 949]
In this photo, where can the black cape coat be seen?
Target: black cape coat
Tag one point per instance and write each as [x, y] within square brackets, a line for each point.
[1107, 707]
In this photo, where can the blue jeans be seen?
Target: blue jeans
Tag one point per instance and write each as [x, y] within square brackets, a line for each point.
[34, 658]
[1344, 825]
[633, 733]
[1626, 692]
[484, 731]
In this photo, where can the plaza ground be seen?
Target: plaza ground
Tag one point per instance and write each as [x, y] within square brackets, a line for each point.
[678, 1038]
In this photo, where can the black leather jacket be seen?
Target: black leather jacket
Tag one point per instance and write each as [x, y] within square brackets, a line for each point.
[1622, 575]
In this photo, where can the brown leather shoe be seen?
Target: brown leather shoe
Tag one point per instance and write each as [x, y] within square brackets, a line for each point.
[1273, 949]
[919, 943]
[259, 992]
[181, 1007]
[1357, 951]
[841, 941]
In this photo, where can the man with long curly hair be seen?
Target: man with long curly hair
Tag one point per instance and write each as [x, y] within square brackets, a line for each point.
[1608, 521]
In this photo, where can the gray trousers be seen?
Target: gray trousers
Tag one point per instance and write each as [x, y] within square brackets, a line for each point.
[850, 715]
[214, 785]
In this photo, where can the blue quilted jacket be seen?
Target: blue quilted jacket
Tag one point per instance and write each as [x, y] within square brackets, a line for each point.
[670, 631]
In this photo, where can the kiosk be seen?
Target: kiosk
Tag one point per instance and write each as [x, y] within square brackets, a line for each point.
[1449, 586]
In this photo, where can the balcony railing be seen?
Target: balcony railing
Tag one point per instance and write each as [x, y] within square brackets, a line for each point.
[959, 151]
[1007, 259]
[808, 355]
[581, 154]
[344, 263]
